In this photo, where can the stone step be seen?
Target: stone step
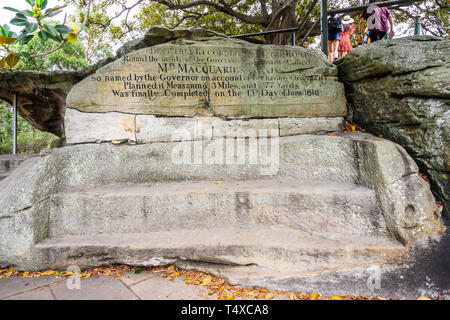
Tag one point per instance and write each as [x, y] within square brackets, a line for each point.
[283, 249]
[325, 208]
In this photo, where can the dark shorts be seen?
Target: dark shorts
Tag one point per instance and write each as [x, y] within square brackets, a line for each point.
[334, 36]
[376, 35]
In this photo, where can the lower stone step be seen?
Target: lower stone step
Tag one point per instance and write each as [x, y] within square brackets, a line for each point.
[323, 208]
[276, 249]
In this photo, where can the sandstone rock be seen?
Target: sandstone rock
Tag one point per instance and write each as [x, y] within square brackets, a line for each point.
[42, 95]
[9, 162]
[401, 89]
[204, 74]
[338, 173]
[82, 127]
[295, 126]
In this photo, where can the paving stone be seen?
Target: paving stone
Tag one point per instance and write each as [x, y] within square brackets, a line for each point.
[132, 278]
[158, 288]
[43, 293]
[95, 288]
[16, 285]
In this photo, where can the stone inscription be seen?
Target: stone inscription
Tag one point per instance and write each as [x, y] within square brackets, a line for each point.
[204, 80]
[212, 72]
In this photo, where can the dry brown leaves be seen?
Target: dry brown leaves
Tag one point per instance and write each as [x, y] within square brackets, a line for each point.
[349, 127]
[214, 285]
[424, 177]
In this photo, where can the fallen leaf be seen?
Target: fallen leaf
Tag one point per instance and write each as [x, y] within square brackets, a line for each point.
[138, 271]
[206, 281]
[336, 298]
[423, 298]
[218, 182]
[48, 273]
[269, 296]
[118, 277]
[315, 295]
[175, 274]
[231, 297]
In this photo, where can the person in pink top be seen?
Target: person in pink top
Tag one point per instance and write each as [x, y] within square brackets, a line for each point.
[379, 21]
[345, 46]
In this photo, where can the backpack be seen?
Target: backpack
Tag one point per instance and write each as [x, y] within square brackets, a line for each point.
[334, 25]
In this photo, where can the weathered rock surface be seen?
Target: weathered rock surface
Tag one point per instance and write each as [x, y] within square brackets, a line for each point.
[83, 127]
[9, 162]
[42, 95]
[333, 187]
[401, 89]
[215, 76]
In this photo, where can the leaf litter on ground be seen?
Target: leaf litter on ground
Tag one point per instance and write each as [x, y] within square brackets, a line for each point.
[214, 285]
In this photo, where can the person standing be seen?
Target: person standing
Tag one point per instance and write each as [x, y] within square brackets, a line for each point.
[345, 44]
[334, 31]
[377, 21]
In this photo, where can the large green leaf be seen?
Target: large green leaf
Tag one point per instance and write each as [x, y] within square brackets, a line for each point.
[26, 39]
[19, 22]
[51, 30]
[43, 35]
[32, 27]
[21, 16]
[28, 13]
[4, 30]
[24, 54]
[44, 4]
[11, 9]
[52, 14]
[30, 2]
[62, 29]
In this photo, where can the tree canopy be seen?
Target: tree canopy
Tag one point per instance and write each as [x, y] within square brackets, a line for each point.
[110, 23]
[116, 20]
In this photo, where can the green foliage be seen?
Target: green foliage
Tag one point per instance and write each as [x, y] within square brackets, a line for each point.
[35, 25]
[69, 57]
[29, 139]
[111, 22]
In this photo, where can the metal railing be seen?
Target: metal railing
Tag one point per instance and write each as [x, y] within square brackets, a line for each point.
[393, 4]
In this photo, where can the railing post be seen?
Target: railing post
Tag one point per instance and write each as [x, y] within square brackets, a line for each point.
[417, 26]
[324, 25]
[14, 151]
[293, 38]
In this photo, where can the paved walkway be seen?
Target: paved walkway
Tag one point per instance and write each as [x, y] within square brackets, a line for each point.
[143, 286]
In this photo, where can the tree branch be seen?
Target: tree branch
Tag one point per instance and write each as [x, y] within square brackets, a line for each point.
[49, 52]
[225, 8]
[278, 13]
[422, 26]
[264, 11]
[88, 10]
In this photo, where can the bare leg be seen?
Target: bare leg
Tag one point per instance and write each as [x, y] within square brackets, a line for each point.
[344, 53]
[335, 46]
[330, 51]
